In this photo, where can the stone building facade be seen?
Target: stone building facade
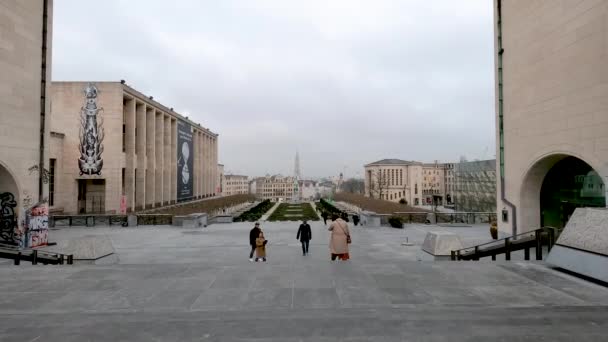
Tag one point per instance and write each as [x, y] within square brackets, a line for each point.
[235, 185]
[115, 150]
[417, 183]
[25, 73]
[551, 110]
[275, 188]
[475, 186]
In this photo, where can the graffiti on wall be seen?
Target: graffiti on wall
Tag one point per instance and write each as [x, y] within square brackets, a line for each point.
[8, 219]
[91, 134]
[37, 225]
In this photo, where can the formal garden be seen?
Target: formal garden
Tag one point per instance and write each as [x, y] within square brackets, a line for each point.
[255, 213]
[294, 212]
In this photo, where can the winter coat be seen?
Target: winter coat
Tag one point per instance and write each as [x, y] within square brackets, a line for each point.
[253, 234]
[304, 232]
[339, 231]
[260, 247]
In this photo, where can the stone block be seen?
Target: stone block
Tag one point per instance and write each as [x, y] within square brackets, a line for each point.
[86, 248]
[582, 247]
[132, 220]
[370, 219]
[223, 219]
[441, 244]
[195, 220]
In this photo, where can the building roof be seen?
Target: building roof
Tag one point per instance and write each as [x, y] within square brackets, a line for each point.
[393, 162]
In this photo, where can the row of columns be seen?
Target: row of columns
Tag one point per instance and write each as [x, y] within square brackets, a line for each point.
[150, 177]
[205, 160]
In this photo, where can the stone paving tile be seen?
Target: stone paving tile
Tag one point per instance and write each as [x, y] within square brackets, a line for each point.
[225, 299]
[168, 286]
[316, 298]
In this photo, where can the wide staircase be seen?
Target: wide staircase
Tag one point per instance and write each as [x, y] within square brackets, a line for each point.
[540, 240]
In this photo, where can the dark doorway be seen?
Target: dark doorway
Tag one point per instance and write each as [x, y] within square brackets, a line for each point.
[570, 183]
[91, 196]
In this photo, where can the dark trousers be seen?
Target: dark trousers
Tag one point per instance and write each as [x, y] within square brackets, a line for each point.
[252, 250]
[305, 246]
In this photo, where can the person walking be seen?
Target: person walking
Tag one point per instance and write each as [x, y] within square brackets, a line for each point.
[253, 235]
[305, 235]
[340, 238]
[324, 216]
[260, 247]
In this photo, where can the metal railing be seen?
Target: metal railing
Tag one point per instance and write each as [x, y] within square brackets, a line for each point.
[87, 220]
[533, 239]
[36, 256]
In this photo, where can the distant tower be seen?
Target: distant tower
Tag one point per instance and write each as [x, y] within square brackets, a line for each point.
[297, 195]
[296, 169]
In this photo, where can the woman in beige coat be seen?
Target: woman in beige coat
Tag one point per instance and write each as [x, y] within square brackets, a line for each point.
[340, 238]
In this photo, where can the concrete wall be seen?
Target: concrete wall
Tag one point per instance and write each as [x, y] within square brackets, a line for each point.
[21, 33]
[555, 85]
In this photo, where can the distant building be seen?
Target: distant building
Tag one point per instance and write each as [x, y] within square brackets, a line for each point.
[275, 188]
[220, 179]
[309, 190]
[415, 182]
[235, 185]
[475, 186]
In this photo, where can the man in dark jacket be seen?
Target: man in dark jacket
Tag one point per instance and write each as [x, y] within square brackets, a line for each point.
[253, 234]
[305, 235]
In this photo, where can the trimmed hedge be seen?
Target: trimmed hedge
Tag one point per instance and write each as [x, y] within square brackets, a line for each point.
[395, 221]
[255, 213]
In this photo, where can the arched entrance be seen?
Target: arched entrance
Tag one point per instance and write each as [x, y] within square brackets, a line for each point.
[570, 183]
[553, 187]
[9, 200]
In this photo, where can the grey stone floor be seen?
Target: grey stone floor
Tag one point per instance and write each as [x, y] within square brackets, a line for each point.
[173, 284]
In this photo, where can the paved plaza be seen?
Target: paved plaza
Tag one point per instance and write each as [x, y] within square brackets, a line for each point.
[174, 284]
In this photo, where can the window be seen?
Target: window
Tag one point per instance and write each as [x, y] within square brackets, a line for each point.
[124, 136]
[416, 189]
[52, 182]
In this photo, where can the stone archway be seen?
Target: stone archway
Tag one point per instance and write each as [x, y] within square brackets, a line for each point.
[554, 186]
[9, 203]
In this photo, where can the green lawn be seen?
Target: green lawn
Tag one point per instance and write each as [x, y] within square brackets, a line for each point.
[294, 212]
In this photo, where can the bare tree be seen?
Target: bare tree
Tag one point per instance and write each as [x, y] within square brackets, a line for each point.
[378, 184]
[353, 186]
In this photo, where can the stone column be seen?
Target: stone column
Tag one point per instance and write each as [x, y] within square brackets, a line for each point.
[150, 156]
[203, 164]
[214, 166]
[207, 165]
[140, 151]
[194, 164]
[173, 190]
[159, 154]
[129, 114]
[167, 160]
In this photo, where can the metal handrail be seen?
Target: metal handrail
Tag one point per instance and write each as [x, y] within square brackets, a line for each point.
[499, 240]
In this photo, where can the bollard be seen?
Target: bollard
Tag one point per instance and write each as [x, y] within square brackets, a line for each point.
[507, 249]
[18, 258]
[71, 259]
[452, 255]
[34, 257]
[493, 256]
[476, 255]
[527, 253]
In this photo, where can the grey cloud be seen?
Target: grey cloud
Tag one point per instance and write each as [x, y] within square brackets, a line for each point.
[344, 82]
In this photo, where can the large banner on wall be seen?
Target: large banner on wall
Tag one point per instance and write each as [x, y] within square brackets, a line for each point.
[185, 164]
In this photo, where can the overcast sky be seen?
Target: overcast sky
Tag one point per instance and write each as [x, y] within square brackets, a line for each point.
[343, 82]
